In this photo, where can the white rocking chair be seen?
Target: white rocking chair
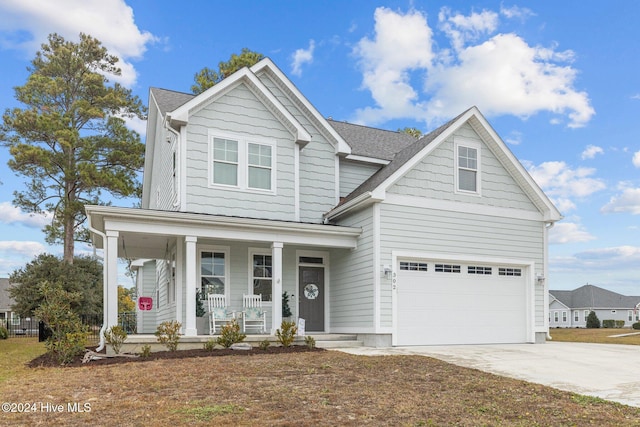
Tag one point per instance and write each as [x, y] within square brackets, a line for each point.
[253, 316]
[219, 313]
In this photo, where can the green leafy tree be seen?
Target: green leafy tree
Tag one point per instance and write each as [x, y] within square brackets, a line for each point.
[69, 139]
[125, 302]
[206, 78]
[414, 132]
[83, 277]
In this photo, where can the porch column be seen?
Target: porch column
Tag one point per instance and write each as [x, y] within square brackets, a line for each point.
[276, 277]
[190, 329]
[111, 265]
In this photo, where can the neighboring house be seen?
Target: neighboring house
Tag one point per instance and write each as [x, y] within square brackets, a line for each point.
[247, 188]
[569, 309]
[9, 318]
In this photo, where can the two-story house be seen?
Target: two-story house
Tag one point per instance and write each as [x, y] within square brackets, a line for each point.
[248, 189]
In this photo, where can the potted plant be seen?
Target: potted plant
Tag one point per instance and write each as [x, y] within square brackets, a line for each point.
[201, 320]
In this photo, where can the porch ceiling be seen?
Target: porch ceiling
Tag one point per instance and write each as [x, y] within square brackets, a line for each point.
[144, 233]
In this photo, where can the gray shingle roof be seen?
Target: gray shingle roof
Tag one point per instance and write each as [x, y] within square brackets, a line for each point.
[169, 100]
[590, 296]
[402, 157]
[372, 142]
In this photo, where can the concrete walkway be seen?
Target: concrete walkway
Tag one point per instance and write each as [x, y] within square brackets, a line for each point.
[608, 371]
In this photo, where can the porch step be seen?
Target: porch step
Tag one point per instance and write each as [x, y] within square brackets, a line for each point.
[336, 341]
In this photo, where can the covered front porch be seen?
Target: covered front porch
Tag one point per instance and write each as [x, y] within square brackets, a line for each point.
[182, 255]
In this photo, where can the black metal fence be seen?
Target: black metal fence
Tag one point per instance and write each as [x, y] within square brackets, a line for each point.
[32, 327]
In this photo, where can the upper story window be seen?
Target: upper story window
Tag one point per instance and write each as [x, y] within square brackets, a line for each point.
[225, 161]
[467, 167]
[242, 163]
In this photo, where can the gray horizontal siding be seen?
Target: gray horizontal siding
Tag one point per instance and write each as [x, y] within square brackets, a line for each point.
[352, 174]
[443, 232]
[352, 284]
[434, 178]
[239, 112]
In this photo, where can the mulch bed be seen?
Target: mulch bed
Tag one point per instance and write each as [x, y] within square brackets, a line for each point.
[48, 360]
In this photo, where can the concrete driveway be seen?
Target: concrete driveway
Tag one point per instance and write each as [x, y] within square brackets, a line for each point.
[608, 371]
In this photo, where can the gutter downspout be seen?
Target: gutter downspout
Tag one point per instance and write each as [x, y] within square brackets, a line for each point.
[168, 127]
[104, 289]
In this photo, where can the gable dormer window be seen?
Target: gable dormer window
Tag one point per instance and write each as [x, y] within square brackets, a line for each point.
[467, 168]
[243, 163]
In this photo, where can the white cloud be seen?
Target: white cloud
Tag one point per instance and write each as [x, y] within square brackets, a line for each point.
[563, 184]
[627, 202]
[110, 21]
[501, 74]
[301, 57]
[636, 159]
[10, 214]
[568, 232]
[13, 247]
[516, 12]
[514, 138]
[402, 43]
[462, 29]
[591, 151]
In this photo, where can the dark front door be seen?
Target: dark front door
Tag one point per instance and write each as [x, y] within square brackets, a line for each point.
[311, 291]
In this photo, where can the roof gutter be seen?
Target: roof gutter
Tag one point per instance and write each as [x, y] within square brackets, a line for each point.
[351, 204]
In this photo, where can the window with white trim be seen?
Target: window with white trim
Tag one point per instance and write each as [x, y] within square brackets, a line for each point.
[15, 318]
[413, 266]
[586, 314]
[472, 269]
[630, 315]
[467, 168]
[564, 317]
[262, 275]
[447, 268]
[576, 316]
[504, 271]
[213, 272]
[242, 163]
[556, 316]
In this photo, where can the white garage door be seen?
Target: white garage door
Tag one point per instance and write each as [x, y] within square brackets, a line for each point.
[460, 303]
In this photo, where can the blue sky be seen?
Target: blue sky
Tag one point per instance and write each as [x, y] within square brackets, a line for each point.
[557, 80]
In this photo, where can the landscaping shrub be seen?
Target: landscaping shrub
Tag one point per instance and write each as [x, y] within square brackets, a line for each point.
[69, 336]
[310, 342]
[287, 333]
[115, 337]
[4, 333]
[264, 344]
[230, 334]
[210, 345]
[146, 351]
[608, 323]
[636, 325]
[167, 333]
[619, 323]
[592, 321]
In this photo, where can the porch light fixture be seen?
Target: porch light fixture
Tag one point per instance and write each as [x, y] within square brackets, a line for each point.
[540, 279]
[386, 272]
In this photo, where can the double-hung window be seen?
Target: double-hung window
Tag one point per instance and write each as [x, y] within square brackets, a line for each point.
[213, 272]
[261, 275]
[467, 165]
[243, 163]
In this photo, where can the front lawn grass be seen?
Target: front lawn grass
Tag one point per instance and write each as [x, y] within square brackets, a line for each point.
[15, 352]
[327, 388]
[598, 336]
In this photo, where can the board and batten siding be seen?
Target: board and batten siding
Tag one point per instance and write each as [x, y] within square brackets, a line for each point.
[163, 192]
[352, 281]
[407, 228]
[147, 288]
[240, 113]
[434, 177]
[317, 183]
[352, 174]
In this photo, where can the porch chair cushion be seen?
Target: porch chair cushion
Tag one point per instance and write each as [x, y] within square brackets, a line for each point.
[252, 313]
[221, 313]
